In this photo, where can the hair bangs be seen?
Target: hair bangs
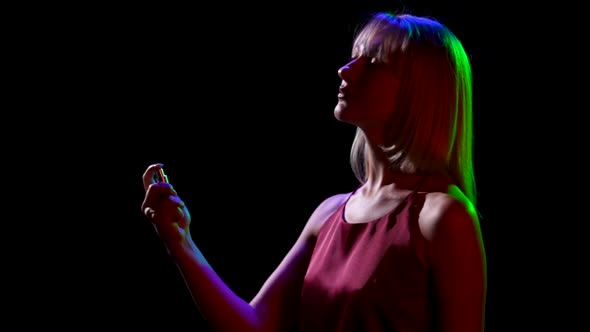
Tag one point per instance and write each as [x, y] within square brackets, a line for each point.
[380, 39]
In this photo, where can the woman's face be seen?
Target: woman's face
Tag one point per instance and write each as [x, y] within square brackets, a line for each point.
[368, 93]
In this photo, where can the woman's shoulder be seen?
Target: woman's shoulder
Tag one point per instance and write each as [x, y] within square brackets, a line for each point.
[446, 210]
[334, 201]
[447, 196]
[324, 210]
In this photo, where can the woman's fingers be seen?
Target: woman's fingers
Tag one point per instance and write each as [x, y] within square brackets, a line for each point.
[160, 196]
[149, 175]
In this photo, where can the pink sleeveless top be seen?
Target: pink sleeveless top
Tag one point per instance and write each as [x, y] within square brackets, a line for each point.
[368, 277]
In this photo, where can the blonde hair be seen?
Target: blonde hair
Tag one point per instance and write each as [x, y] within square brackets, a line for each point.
[434, 103]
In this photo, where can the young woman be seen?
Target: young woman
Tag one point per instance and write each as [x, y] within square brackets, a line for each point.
[403, 251]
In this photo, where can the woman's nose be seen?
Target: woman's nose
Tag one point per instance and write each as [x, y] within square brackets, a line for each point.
[346, 72]
[343, 72]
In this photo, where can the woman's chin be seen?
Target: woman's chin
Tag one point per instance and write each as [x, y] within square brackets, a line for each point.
[340, 110]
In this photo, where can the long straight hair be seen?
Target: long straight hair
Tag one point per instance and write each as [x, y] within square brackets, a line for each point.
[434, 104]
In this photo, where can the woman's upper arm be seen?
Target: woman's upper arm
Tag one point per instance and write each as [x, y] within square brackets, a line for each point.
[277, 301]
[458, 260]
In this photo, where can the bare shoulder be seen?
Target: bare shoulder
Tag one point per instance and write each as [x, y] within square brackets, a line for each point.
[455, 253]
[449, 211]
[324, 210]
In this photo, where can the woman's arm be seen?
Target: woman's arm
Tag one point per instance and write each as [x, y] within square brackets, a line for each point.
[274, 307]
[457, 257]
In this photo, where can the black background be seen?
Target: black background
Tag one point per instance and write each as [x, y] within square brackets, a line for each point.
[236, 100]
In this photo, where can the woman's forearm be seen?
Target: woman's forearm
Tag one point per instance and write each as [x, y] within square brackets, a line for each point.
[220, 306]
